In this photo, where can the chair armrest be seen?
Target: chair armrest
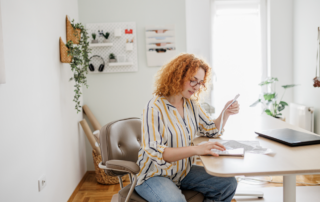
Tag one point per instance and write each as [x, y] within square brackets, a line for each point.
[121, 165]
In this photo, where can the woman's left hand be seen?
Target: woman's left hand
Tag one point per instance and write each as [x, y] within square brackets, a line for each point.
[233, 109]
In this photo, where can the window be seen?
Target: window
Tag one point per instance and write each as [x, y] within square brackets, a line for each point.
[238, 52]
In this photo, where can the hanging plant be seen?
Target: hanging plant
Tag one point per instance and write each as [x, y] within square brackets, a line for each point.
[80, 60]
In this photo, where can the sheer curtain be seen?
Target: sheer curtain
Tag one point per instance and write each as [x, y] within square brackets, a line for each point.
[238, 52]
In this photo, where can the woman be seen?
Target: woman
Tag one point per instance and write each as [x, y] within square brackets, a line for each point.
[170, 121]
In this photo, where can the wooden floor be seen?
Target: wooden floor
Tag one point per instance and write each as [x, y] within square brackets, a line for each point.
[89, 190]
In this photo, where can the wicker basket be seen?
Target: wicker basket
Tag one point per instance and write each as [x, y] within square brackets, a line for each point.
[73, 35]
[101, 176]
[64, 58]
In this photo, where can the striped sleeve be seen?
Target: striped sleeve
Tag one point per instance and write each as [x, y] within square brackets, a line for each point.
[153, 137]
[206, 125]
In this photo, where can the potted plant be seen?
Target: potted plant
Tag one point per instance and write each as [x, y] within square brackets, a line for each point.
[80, 61]
[112, 58]
[94, 35]
[106, 36]
[269, 99]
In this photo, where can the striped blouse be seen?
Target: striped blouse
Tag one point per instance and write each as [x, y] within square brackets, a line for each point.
[162, 126]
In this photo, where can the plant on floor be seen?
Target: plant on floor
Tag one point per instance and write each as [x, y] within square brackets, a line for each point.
[80, 61]
[270, 98]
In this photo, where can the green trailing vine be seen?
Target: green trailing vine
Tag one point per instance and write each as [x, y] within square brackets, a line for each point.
[80, 61]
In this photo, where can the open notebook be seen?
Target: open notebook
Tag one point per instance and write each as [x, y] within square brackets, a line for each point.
[230, 152]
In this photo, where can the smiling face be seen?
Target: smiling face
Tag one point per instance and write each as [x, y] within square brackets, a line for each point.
[189, 90]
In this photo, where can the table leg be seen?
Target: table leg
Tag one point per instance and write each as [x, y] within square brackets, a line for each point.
[289, 188]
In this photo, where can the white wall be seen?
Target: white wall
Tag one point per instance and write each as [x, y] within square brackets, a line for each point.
[120, 95]
[306, 21]
[281, 46]
[198, 33]
[39, 131]
[2, 67]
[198, 28]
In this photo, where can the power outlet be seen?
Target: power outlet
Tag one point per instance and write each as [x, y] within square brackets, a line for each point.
[42, 182]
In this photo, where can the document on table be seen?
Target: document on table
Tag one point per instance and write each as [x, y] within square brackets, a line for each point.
[248, 146]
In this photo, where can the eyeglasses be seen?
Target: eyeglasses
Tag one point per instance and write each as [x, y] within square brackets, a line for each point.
[194, 83]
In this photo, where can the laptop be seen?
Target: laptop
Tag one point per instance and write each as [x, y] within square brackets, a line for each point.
[290, 137]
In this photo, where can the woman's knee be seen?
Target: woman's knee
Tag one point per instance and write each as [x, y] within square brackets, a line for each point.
[160, 189]
[233, 183]
[231, 186]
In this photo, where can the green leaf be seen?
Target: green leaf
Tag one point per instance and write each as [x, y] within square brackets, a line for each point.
[268, 81]
[283, 103]
[289, 86]
[268, 112]
[80, 61]
[281, 107]
[269, 96]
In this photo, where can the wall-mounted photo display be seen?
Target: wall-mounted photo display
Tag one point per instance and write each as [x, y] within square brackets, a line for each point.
[2, 68]
[160, 44]
[116, 43]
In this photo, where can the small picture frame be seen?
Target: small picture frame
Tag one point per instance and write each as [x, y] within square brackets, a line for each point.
[121, 58]
[129, 46]
[117, 32]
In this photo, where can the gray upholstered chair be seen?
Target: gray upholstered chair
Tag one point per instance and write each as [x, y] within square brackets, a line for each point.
[120, 143]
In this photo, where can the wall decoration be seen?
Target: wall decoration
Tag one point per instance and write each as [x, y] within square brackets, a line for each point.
[72, 34]
[106, 37]
[94, 36]
[64, 58]
[119, 51]
[117, 32]
[128, 31]
[160, 44]
[2, 67]
[101, 66]
[77, 55]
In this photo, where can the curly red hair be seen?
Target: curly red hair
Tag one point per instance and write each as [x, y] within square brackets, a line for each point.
[171, 77]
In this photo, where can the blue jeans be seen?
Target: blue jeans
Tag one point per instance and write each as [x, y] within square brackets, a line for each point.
[162, 189]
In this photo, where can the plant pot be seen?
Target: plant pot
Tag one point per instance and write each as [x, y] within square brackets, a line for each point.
[112, 60]
[73, 35]
[106, 41]
[95, 41]
[64, 58]
[280, 118]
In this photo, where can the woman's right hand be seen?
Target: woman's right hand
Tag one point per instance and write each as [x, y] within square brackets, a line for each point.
[205, 149]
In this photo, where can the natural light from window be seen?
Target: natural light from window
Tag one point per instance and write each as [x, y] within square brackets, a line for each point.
[237, 58]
